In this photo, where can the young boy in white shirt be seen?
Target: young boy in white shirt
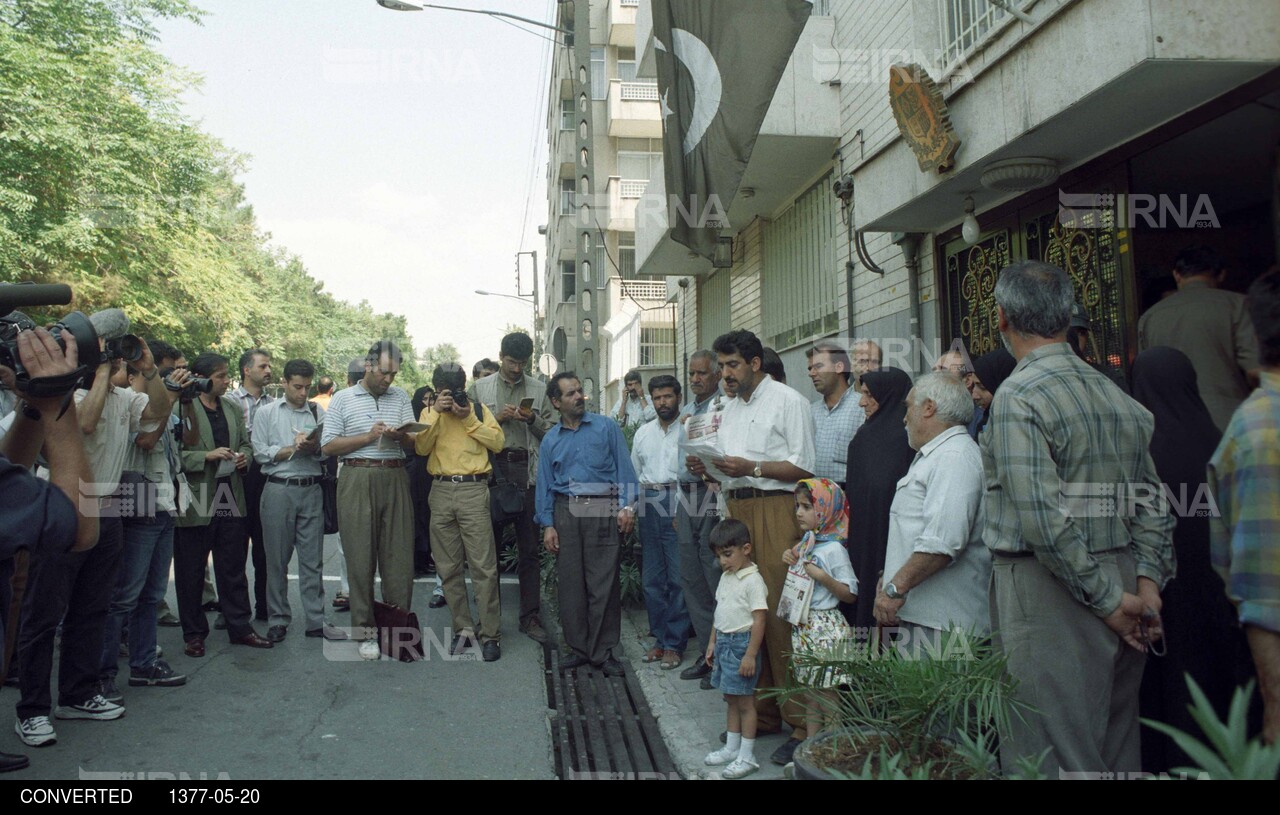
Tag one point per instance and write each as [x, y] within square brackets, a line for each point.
[734, 649]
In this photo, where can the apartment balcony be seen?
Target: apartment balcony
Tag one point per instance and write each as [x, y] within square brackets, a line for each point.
[799, 134]
[634, 112]
[622, 22]
[566, 153]
[624, 194]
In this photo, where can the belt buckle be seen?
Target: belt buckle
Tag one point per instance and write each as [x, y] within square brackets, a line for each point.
[457, 479]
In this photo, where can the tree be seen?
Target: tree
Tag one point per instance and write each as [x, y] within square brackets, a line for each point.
[439, 354]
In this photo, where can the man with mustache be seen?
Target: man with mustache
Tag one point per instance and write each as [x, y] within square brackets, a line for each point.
[586, 486]
[767, 435]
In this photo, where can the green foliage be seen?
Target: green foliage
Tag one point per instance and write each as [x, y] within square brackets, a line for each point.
[437, 355]
[941, 707]
[1229, 753]
[105, 185]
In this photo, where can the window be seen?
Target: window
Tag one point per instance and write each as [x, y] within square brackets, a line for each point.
[627, 255]
[568, 115]
[568, 281]
[599, 82]
[566, 196]
[657, 345]
[801, 278]
[639, 166]
[627, 64]
[965, 24]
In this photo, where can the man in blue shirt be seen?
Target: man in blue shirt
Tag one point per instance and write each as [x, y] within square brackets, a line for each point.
[586, 481]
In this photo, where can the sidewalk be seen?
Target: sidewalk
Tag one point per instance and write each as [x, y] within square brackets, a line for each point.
[691, 719]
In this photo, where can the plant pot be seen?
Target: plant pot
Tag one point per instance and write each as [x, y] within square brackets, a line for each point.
[807, 767]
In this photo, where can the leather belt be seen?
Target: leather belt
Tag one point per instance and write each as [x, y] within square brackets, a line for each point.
[298, 481]
[512, 456]
[462, 479]
[585, 499]
[744, 493]
[694, 486]
[668, 486]
[1011, 555]
[378, 463]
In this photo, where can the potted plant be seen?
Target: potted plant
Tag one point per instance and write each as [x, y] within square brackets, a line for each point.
[908, 712]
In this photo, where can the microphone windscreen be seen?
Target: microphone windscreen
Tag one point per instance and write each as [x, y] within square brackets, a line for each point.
[110, 323]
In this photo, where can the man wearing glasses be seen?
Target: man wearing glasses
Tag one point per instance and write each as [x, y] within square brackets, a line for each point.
[375, 508]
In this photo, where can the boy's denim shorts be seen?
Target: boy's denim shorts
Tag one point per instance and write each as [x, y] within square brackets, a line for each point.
[730, 649]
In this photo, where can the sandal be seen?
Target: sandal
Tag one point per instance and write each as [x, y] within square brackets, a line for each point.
[655, 654]
[671, 659]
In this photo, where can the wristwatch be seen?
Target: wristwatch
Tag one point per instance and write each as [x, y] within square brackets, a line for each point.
[891, 591]
[757, 472]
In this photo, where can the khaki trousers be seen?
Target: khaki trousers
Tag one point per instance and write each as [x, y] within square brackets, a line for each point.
[1080, 677]
[375, 512]
[462, 533]
[772, 523]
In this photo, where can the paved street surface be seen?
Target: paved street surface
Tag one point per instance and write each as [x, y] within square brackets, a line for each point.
[290, 712]
[690, 718]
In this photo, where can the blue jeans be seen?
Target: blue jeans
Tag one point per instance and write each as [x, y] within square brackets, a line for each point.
[663, 594]
[141, 585]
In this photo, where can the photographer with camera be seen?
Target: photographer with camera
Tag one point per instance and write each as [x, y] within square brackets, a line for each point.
[215, 455]
[76, 590]
[151, 468]
[42, 517]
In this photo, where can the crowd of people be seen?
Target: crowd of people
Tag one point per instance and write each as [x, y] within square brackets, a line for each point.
[960, 500]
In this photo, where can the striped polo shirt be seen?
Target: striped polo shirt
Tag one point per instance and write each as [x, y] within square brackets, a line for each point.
[354, 410]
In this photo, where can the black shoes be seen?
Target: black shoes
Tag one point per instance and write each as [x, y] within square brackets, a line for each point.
[533, 628]
[460, 644]
[437, 600]
[276, 633]
[697, 670]
[491, 651]
[573, 661]
[612, 667]
[159, 675]
[12, 761]
[782, 756]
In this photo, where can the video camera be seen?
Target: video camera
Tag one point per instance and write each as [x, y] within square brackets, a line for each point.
[194, 387]
[110, 324]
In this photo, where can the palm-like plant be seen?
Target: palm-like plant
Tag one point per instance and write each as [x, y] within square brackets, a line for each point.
[939, 708]
[1229, 753]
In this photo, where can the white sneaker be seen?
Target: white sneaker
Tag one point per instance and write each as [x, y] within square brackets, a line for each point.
[36, 731]
[369, 650]
[740, 768]
[722, 756]
[96, 708]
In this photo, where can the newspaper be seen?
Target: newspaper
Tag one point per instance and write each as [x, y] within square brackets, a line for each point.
[702, 439]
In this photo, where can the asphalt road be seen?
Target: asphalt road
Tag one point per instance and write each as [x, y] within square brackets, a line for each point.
[311, 709]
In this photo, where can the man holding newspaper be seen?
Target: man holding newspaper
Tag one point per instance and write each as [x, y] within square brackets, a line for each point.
[758, 447]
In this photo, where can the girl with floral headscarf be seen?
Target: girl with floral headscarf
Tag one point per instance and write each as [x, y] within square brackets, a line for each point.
[823, 514]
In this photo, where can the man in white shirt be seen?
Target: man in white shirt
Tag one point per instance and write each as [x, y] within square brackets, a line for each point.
[655, 455]
[767, 436]
[633, 408]
[937, 570]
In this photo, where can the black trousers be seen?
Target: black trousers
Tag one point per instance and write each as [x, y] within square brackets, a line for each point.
[73, 588]
[529, 564]
[226, 539]
[420, 492]
[254, 481]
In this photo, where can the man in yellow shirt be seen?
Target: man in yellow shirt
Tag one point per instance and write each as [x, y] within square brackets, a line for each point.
[459, 438]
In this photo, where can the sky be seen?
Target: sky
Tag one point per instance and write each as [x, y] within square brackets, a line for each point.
[392, 152]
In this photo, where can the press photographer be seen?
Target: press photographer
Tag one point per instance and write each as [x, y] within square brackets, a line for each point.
[75, 589]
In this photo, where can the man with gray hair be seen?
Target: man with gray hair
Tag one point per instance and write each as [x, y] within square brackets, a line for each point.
[936, 570]
[1075, 599]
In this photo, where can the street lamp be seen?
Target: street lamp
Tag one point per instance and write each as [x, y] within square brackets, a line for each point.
[402, 5]
[512, 296]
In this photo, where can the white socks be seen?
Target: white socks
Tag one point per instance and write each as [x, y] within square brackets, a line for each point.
[747, 750]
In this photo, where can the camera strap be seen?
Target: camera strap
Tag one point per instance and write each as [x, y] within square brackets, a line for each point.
[46, 387]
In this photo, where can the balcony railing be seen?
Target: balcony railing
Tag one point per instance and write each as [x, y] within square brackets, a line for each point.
[632, 188]
[640, 91]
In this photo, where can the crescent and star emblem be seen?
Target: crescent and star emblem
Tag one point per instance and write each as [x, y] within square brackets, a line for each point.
[707, 84]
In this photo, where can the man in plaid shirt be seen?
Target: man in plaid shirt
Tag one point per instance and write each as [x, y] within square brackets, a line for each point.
[1081, 537]
[1244, 475]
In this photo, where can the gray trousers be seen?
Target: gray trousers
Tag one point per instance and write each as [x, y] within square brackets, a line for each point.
[1081, 679]
[699, 569]
[587, 574]
[293, 519]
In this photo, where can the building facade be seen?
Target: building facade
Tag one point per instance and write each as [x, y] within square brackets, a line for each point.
[1100, 135]
[636, 322]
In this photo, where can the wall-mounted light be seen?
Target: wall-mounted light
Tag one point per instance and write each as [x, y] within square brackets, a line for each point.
[970, 229]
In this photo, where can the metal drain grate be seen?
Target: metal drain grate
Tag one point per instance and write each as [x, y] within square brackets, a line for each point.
[601, 727]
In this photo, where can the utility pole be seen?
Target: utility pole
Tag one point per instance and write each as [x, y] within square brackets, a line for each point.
[585, 331]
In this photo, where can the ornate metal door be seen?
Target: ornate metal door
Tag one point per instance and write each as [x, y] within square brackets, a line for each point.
[1090, 252]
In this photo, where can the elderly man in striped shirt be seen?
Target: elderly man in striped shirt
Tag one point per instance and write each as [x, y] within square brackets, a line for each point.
[1076, 593]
